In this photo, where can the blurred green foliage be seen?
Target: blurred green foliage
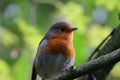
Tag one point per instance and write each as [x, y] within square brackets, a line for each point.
[24, 23]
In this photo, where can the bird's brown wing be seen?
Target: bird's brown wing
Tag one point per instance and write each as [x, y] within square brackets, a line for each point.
[34, 73]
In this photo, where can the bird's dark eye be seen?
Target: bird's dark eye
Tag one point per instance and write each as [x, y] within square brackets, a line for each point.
[62, 29]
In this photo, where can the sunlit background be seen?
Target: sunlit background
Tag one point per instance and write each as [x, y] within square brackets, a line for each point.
[23, 23]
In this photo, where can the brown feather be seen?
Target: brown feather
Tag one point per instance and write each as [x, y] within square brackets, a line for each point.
[60, 44]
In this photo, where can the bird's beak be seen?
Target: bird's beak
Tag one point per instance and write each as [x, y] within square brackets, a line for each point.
[73, 29]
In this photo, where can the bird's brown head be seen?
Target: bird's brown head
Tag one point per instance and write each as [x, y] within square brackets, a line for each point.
[61, 30]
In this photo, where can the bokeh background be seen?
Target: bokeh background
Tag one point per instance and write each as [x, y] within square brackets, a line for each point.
[23, 23]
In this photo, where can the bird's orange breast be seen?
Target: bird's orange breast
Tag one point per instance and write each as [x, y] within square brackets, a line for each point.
[59, 46]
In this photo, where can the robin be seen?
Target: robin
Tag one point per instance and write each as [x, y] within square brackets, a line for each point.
[55, 51]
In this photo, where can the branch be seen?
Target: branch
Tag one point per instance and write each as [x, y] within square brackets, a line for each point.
[90, 66]
[112, 44]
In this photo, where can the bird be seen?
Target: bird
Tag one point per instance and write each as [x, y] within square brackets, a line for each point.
[55, 52]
